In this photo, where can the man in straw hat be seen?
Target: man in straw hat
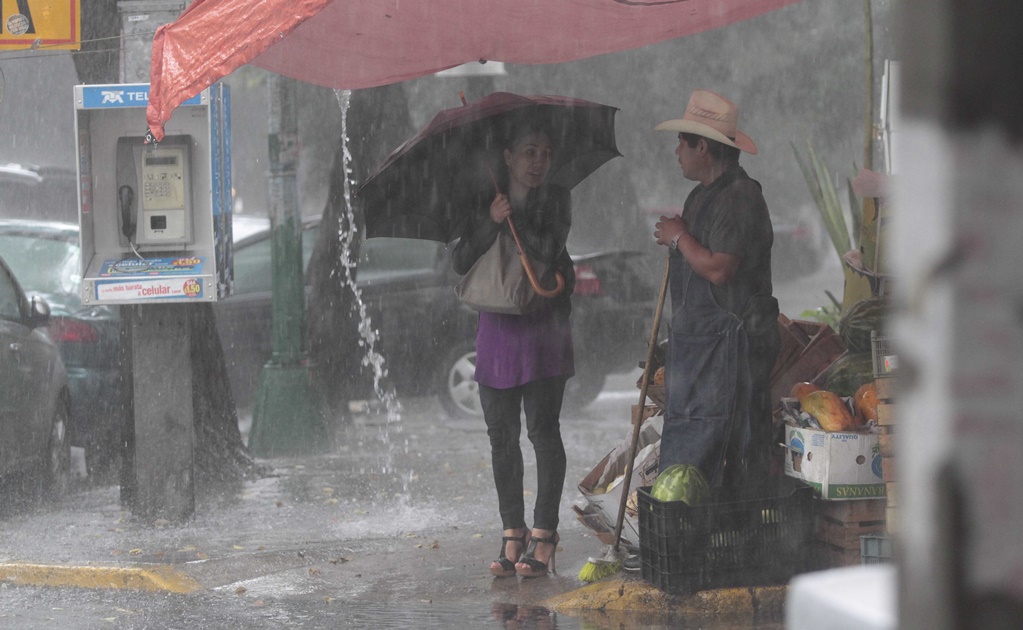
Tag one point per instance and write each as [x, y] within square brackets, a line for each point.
[724, 334]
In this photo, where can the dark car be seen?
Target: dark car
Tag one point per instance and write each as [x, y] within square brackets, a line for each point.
[426, 335]
[45, 257]
[34, 402]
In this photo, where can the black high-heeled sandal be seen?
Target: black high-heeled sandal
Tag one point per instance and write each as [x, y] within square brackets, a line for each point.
[535, 568]
[507, 567]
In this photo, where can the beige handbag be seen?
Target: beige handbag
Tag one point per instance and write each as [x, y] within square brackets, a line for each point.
[498, 282]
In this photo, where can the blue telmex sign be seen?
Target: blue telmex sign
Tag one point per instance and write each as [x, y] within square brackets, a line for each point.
[118, 96]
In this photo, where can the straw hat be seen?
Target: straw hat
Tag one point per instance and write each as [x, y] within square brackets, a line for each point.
[712, 116]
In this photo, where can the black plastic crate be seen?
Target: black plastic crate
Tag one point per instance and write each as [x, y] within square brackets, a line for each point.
[733, 540]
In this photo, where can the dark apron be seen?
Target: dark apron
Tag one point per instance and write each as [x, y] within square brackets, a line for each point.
[707, 378]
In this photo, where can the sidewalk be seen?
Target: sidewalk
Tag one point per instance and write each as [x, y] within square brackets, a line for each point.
[400, 512]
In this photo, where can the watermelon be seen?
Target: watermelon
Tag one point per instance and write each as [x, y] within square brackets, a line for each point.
[849, 372]
[681, 482]
[862, 318]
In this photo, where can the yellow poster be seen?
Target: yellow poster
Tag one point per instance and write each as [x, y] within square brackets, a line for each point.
[49, 24]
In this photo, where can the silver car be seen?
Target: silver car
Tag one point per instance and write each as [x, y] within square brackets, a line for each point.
[34, 446]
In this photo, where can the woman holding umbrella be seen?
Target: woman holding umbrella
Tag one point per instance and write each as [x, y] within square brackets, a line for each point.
[523, 361]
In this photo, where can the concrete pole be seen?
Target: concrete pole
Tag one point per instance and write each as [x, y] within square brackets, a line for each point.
[290, 413]
[158, 477]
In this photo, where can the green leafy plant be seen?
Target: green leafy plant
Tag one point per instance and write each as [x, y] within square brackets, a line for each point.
[842, 224]
[830, 314]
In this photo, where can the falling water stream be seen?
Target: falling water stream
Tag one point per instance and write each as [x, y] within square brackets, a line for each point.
[367, 333]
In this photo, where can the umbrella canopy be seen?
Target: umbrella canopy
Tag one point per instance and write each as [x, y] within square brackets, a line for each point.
[351, 44]
[427, 186]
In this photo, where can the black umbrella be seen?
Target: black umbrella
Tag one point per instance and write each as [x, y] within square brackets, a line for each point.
[427, 187]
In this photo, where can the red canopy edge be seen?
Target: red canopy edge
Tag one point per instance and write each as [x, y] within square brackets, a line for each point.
[187, 57]
[352, 44]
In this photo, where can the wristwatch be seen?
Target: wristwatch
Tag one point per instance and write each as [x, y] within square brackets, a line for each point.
[674, 242]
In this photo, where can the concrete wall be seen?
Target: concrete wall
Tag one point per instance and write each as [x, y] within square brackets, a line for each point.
[957, 234]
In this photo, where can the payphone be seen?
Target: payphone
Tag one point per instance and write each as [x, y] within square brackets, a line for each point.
[155, 217]
[154, 198]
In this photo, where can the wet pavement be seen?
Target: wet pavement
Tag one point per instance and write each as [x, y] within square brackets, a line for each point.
[395, 527]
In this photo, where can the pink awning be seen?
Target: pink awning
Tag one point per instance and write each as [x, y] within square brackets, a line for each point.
[351, 44]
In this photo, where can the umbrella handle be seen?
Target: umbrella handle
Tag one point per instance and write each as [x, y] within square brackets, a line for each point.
[528, 266]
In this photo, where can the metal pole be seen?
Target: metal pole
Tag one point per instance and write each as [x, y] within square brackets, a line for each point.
[290, 414]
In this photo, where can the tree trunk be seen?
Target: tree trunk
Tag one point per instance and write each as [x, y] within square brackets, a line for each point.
[221, 457]
[101, 26]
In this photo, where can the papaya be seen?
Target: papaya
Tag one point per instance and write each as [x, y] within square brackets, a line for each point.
[799, 390]
[829, 411]
[681, 482]
[865, 401]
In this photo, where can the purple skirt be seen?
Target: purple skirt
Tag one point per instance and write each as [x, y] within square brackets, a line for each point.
[513, 350]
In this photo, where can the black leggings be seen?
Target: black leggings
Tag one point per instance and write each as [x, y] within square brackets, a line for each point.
[502, 408]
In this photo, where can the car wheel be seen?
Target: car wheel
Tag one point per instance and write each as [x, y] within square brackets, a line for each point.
[56, 475]
[458, 393]
[582, 389]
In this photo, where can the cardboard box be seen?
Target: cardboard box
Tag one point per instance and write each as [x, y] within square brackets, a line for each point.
[841, 466]
[599, 511]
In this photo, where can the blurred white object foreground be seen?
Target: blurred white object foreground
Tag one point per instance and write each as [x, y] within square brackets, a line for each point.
[850, 598]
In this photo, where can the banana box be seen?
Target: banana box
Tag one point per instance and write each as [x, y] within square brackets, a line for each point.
[840, 465]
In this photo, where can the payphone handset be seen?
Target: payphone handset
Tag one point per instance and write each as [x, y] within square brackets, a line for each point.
[154, 197]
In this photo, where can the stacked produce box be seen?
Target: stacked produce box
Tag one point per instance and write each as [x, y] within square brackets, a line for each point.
[885, 365]
[840, 526]
[832, 444]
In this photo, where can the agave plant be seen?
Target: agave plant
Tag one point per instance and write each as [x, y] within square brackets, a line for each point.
[842, 223]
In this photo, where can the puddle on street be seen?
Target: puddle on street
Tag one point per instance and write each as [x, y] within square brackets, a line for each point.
[426, 615]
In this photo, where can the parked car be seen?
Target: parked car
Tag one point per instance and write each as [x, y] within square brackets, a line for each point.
[426, 335]
[34, 443]
[38, 192]
[44, 256]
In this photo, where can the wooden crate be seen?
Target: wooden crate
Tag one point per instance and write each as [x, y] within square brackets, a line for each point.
[885, 388]
[892, 490]
[807, 349]
[839, 525]
[888, 468]
[831, 557]
[851, 511]
[886, 442]
[885, 413]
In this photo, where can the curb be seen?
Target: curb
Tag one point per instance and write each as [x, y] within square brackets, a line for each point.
[635, 595]
[152, 579]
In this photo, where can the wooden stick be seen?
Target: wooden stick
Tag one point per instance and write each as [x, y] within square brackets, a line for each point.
[637, 413]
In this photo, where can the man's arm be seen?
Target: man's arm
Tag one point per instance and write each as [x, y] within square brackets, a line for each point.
[716, 267]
